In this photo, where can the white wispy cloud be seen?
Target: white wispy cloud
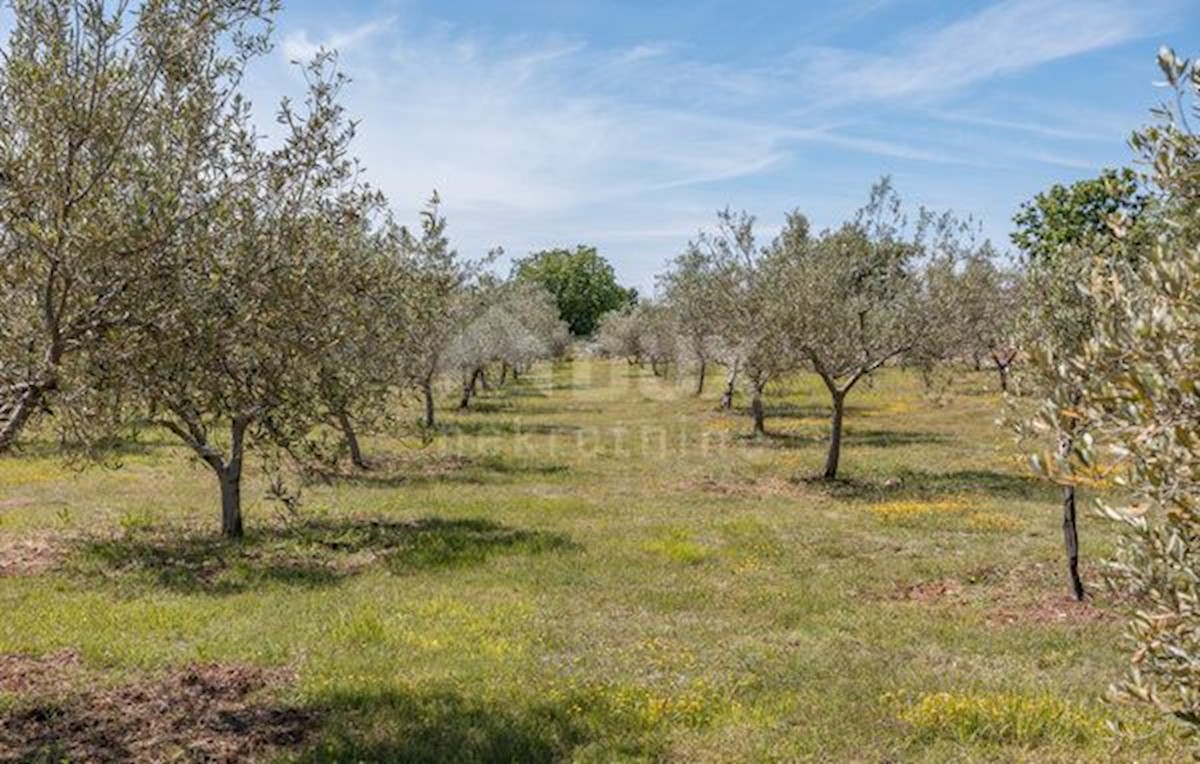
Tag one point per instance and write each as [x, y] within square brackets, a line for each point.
[537, 141]
[299, 46]
[1005, 37]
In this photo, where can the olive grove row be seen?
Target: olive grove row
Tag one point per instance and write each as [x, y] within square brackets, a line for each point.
[163, 265]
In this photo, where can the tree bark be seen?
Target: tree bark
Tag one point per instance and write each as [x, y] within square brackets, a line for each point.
[14, 417]
[356, 454]
[730, 386]
[700, 377]
[230, 476]
[835, 435]
[469, 390]
[427, 389]
[231, 505]
[1003, 372]
[756, 410]
[503, 374]
[1071, 541]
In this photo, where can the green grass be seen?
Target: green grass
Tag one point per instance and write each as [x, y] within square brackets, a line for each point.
[597, 566]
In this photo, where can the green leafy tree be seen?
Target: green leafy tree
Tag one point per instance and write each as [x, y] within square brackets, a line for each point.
[583, 283]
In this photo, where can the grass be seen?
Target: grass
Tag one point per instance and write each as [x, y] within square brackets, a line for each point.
[598, 566]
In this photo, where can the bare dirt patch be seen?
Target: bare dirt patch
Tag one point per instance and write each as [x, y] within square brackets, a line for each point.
[762, 488]
[1051, 609]
[57, 710]
[29, 555]
[1022, 596]
[945, 589]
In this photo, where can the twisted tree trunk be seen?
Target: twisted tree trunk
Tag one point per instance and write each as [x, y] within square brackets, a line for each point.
[15, 415]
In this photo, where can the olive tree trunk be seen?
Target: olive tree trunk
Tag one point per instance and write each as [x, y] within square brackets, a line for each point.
[15, 415]
[730, 386]
[838, 406]
[756, 410]
[1071, 541]
[700, 376]
[356, 454]
[469, 389]
[427, 389]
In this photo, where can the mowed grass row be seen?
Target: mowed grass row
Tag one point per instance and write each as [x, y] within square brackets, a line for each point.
[595, 565]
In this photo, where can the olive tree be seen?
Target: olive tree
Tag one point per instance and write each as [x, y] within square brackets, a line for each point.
[988, 300]
[1139, 379]
[1066, 233]
[438, 278]
[241, 348]
[113, 123]
[619, 334]
[854, 298]
[687, 289]
[746, 305]
[513, 324]
[365, 328]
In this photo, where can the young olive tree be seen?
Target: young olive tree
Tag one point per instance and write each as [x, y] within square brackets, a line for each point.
[1067, 233]
[515, 324]
[988, 299]
[688, 291]
[1139, 378]
[854, 298]
[113, 122]
[746, 307]
[438, 279]
[619, 335]
[365, 328]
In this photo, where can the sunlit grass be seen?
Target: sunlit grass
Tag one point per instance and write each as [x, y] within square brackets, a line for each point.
[599, 566]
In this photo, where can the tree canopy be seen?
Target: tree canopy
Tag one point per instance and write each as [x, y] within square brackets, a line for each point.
[583, 283]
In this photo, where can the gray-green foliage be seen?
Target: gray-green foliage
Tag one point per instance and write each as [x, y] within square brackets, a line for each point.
[115, 125]
[856, 297]
[1139, 379]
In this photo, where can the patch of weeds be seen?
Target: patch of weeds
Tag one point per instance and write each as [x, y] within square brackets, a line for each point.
[678, 546]
[906, 511]
[999, 718]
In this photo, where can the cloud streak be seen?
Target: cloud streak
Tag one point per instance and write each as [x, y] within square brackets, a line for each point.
[1003, 38]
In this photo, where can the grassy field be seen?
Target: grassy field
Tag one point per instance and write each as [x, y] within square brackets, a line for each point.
[592, 566]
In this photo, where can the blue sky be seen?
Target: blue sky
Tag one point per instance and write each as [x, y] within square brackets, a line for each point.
[627, 124]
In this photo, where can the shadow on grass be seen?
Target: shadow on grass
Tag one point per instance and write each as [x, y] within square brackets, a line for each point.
[443, 469]
[797, 411]
[850, 439]
[504, 427]
[445, 726]
[921, 484]
[316, 552]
